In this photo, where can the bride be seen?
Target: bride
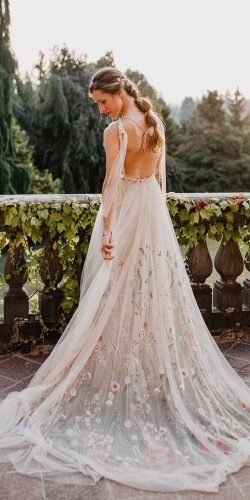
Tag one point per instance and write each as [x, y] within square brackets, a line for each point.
[136, 389]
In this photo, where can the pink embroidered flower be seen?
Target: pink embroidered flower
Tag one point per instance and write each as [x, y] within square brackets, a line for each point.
[162, 431]
[145, 324]
[127, 380]
[223, 446]
[128, 424]
[115, 386]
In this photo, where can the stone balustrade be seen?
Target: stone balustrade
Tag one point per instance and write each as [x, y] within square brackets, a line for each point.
[225, 304]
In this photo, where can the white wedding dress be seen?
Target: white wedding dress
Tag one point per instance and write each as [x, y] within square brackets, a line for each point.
[136, 389]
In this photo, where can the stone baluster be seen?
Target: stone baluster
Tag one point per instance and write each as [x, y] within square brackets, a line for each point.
[200, 267]
[229, 264]
[246, 283]
[51, 272]
[16, 301]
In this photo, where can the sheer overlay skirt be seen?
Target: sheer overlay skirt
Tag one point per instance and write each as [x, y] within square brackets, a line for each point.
[136, 390]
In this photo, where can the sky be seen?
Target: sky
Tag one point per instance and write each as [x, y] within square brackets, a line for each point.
[183, 47]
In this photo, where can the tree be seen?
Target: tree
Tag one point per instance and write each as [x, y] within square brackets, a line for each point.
[186, 109]
[215, 157]
[64, 126]
[237, 110]
[37, 182]
[13, 177]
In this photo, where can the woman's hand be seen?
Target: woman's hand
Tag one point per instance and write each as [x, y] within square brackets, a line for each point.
[107, 245]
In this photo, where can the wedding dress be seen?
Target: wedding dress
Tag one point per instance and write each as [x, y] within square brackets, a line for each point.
[136, 389]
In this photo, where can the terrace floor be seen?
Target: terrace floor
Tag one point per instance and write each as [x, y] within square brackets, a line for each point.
[15, 372]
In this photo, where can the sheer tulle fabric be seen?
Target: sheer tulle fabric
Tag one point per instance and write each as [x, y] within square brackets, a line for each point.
[136, 390]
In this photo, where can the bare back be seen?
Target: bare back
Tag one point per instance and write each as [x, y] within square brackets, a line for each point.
[138, 163]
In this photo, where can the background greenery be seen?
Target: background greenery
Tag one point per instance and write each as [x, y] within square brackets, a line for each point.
[51, 133]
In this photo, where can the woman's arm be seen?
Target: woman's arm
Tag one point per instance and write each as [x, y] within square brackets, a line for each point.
[160, 172]
[111, 145]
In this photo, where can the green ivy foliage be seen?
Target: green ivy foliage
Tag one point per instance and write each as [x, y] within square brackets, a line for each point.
[70, 225]
[222, 220]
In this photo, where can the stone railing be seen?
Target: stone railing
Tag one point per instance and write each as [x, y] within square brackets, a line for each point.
[225, 304]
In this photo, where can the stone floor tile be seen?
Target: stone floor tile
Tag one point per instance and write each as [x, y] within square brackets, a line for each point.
[16, 486]
[17, 368]
[17, 386]
[5, 357]
[242, 366]
[240, 351]
[241, 478]
[225, 346]
[5, 383]
[38, 358]
[55, 491]
[8, 467]
[122, 492]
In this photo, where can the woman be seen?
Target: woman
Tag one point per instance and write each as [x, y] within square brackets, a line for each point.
[136, 389]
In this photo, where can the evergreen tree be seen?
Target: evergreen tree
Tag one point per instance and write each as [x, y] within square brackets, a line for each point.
[186, 109]
[215, 157]
[7, 71]
[65, 127]
[238, 110]
[13, 178]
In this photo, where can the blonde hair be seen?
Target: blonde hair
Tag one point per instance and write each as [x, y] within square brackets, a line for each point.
[111, 80]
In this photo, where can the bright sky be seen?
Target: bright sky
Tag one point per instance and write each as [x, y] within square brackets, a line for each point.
[183, 47]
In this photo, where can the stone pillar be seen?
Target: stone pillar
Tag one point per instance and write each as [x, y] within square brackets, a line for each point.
[16, 302]
[229, 264]
[51, 272]
[200, 266]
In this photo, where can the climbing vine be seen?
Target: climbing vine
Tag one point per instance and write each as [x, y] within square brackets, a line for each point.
[196, 219]
[68, 227]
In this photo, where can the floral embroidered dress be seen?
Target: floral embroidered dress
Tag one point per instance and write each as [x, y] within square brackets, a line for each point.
[136, 389]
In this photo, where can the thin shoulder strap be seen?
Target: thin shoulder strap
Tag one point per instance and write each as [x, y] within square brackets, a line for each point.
[126, 118]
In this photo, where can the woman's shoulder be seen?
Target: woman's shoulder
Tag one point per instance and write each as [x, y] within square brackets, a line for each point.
[111, 129]
[111, 133]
